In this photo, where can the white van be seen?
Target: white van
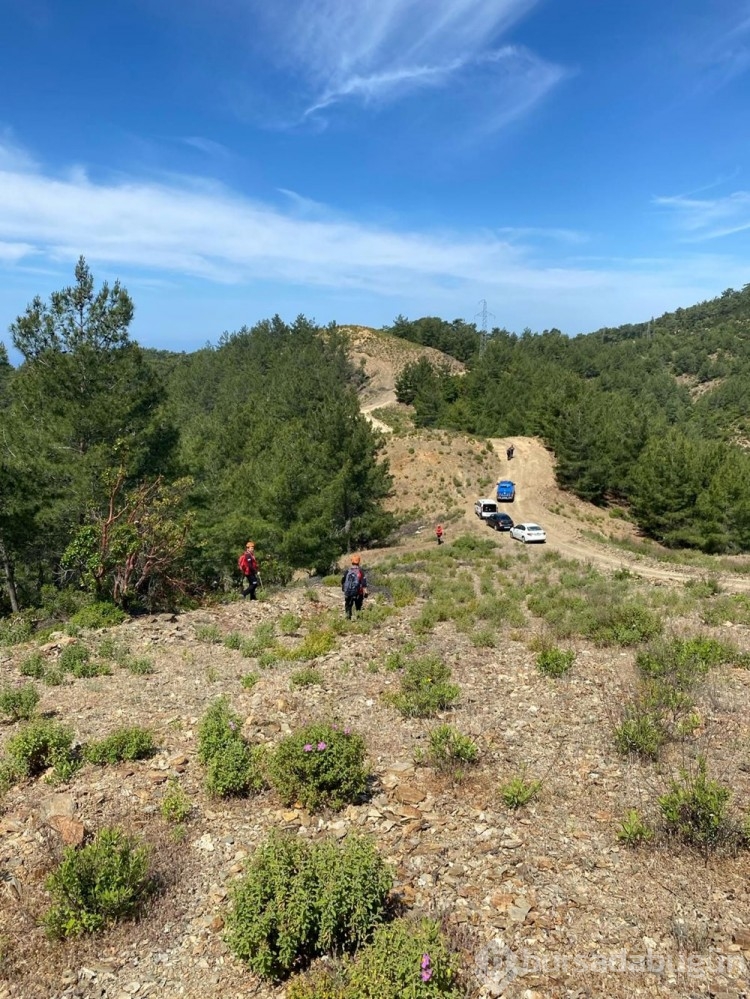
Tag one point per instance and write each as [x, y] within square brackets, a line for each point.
[485, 507]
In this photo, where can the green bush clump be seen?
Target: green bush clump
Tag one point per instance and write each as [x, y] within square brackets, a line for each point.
[633, 830]
[300, 900]
[34, 666]
[425, 688]
[233, 640]
[99, 614]
[54, 677]
[449, 750]
[133, 743]
[682, 662]
[140, 665]
[232, 766]
[322, 765]
[263, 638]
[308, 677]
[175, 805]
[640, 731]
[19, 702]
[289, 623]
[555, 662]
[103, 882]
[249, 680]
[38, 745]
[312, 646]
[15, 629]
[624, 624]
[695, 810]
[406, 960]
[76, 659]
[110, 649]
[519, 791]
[208, 633]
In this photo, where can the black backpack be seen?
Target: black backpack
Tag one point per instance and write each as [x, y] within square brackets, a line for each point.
[351, 582]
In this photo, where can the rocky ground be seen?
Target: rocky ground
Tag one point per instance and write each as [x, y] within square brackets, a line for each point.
[542, 901]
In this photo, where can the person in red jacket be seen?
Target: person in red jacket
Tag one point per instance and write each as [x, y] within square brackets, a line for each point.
[248, 566]
[439, 534]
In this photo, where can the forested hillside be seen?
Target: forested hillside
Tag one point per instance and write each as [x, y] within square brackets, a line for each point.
[654, 416]
[138, 475]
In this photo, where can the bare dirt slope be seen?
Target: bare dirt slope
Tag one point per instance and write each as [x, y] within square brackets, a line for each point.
[439, 474]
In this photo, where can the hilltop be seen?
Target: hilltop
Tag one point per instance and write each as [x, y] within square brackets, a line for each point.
[550, 882]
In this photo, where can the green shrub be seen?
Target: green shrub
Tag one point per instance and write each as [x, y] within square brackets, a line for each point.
[219, 726]
[683, 662]
[133, 743]
[175, 805]
[54, 677]
[208, 633]
[312, 646]
[262, 639]
[289, 623]
[322, 765]
[15, 629]
[19, 702]
[232, 766]
[519, 791]
[38, 745]
[300, 900]
[111, 649]
[624, 624]
[425, 688]
[139, 666]
[555, 662]
[268, 658]
[98, 615]
[695, 809]
[102, 883]
[75, 659]
[308, 677]
[236, 770]
[406, 960]
[641, 731]
[34, 666]
[633, 831]
[449, 750]
[249, 680]
[233, 640]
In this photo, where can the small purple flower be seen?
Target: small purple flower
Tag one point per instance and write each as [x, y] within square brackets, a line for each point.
[232, 725]
[426, 968]
[426, 975]
[426, 961]
[347, 731]
[322, 746]
[307, 748]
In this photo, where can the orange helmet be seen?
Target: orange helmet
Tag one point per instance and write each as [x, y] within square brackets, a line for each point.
[356, 559]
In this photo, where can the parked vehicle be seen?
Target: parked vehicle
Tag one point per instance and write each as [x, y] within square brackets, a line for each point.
[528, 533]
[506, 491]
[485, 508]
[499, 521]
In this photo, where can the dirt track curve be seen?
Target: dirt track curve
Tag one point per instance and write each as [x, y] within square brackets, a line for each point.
[565, 518]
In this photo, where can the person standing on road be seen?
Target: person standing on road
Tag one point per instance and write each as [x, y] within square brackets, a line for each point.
[510, 452]
[248, 566]
[354, 586]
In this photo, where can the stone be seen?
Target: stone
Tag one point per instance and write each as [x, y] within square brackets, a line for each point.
[742, 937]
[71, 831]
[409, 795]
[58, 804]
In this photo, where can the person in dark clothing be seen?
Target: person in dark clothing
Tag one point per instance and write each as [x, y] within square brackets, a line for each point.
[439, 534]
[354, 585]
[248, 565]
[510, 452]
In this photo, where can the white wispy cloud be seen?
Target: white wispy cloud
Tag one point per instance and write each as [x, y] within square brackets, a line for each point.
[380, 51]
[709, 218]
[186, 228]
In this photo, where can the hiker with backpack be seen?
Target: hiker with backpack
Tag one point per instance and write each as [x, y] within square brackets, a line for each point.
[248, 566]
[354, 585]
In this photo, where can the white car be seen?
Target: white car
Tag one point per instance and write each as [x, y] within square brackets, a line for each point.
[528, 533]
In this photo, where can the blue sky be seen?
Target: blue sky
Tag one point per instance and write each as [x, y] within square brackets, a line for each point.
[575, 163]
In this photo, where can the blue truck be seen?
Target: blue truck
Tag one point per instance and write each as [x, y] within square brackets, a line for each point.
[506, 491]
